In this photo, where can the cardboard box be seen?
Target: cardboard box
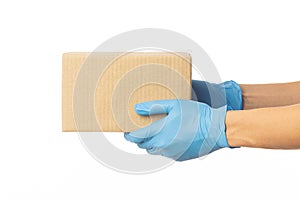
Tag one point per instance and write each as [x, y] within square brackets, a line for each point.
[99, 90]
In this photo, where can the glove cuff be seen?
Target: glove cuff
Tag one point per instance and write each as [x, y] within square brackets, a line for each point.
[233, 95]
[217, 95]
[219, 116]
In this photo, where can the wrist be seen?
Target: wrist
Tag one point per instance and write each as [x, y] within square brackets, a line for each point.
[233, 129]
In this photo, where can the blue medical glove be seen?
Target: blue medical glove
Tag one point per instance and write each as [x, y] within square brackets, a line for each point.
[190, 129]
[217, 95]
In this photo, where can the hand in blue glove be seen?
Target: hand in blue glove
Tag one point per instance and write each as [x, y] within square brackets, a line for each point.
[190, 130]
[217, 95]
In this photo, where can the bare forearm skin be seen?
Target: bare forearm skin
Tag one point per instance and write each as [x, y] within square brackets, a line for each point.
[272, 128]
[270, 95]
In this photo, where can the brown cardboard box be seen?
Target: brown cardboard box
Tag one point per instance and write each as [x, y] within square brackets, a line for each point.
[99, 90]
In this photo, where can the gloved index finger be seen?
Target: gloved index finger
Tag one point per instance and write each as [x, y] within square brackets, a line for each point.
[154, 107]
[147, 132]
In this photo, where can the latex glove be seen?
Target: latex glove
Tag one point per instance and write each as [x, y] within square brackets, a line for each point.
[190, 130]
[217, 95]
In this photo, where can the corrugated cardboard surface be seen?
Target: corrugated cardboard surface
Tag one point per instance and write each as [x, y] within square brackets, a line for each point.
[99, 90]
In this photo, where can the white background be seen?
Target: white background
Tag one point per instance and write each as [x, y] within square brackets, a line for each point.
[250, 42]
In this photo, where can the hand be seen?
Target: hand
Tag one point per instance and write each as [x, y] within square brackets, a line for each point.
[217, 95]
[190, 130]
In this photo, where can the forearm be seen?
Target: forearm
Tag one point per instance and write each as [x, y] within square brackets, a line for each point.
[273, 128]
[270, 95]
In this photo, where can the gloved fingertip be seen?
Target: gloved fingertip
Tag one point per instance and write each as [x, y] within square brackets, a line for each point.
[154, 151]
[150, 150]
[142, 145]
[131, 138]
[126, 135]
[140, 109]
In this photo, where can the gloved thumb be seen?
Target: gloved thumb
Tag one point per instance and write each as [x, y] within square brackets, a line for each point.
[154, 107]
